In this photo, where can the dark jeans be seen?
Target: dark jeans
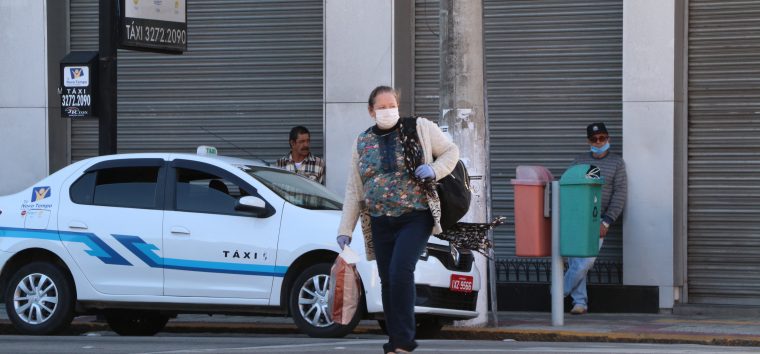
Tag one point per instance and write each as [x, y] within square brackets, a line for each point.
[399, 242]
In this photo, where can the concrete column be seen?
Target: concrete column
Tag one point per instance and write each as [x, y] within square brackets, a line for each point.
[463, 110]
[652, 100]
[358, 57]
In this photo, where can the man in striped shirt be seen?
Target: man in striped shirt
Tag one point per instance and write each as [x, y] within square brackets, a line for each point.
[614, 193]
[300, 160]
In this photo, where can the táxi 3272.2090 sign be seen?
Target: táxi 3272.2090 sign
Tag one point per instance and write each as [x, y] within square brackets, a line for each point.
[79, 84]
[159, 25]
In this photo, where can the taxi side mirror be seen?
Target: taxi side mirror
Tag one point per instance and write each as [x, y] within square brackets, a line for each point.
[254, 205]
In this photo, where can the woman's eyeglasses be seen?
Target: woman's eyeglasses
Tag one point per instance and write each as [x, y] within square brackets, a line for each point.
[598, 139]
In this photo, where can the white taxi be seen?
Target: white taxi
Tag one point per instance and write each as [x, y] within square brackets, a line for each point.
[140, 238]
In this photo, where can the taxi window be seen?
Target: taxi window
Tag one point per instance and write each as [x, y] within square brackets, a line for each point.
[81, 191]
[202, 192]
[295, 189]
[126, 187]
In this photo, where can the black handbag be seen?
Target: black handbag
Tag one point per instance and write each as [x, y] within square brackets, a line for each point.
[455, 195]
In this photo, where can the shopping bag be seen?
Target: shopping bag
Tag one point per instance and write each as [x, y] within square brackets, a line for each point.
[345, 287]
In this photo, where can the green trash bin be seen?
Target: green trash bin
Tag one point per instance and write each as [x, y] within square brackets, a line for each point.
[580, 207]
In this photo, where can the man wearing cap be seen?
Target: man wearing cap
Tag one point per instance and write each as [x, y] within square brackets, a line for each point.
[614, 192]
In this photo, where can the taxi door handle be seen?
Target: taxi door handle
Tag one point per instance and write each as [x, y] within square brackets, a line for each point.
[77, 225]
[179, 230]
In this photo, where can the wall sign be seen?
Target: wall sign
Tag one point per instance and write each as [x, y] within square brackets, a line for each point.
[78, 84]
[154, 25]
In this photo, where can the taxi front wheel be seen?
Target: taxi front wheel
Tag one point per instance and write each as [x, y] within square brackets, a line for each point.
[309, 298]
[40, 299]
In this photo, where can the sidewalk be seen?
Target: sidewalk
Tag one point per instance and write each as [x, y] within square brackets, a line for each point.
[741, 328]
[690, 328]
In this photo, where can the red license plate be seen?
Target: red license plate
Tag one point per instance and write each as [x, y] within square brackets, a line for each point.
[461, 283]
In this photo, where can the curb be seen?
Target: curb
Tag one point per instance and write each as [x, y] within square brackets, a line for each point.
[521, 335]
[538, 335]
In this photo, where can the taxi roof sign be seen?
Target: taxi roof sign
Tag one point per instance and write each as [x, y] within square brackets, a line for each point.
[204, 150]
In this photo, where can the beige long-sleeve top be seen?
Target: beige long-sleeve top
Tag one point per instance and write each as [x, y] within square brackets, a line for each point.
[439, 152]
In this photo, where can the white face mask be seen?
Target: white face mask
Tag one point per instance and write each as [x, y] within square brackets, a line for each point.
[386, 118]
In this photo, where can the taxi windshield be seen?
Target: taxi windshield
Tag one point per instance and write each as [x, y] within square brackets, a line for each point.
[297, 190]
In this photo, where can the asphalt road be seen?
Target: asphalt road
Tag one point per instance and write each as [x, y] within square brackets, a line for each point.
[107, 342]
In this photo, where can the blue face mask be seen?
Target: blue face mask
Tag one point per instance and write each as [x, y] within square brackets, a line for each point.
[600, 150]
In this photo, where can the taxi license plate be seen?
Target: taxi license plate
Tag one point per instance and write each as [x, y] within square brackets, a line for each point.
[461, 283]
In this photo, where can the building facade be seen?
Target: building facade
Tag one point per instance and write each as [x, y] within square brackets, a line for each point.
[676, 81]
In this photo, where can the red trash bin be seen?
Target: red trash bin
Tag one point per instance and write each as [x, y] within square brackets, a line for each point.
[533, 231]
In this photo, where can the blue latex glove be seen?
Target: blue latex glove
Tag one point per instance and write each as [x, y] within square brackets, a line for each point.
[343, 240]
[424, 172]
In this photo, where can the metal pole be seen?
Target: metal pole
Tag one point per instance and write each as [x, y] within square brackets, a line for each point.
[108, 39]
[492, 284]
[492, 277]
[462, 110]
[558, 304]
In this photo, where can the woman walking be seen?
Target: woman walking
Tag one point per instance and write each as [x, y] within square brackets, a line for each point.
[399, 202]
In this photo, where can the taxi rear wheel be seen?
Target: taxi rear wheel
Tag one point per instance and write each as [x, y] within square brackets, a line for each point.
[309, 297]
[40, 299]
[136, 323]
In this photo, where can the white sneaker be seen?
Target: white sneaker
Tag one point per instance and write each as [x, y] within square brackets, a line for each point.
[578, 310]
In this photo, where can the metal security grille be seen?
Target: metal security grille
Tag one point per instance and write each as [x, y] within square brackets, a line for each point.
[253, 70]
[427, 61]
[552, 67]
[723, 146]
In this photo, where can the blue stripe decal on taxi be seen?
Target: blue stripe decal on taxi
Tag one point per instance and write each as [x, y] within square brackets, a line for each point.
[26, 233]
[145, 251]
[98, 248]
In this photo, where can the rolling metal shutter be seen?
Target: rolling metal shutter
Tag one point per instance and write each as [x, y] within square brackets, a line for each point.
[723, 146]
[253, 70]
[552, 67]
[427, 59]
